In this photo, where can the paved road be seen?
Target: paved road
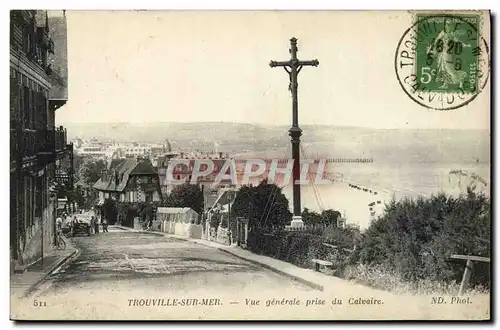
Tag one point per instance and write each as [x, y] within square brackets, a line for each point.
[116, 269]
[122, 261]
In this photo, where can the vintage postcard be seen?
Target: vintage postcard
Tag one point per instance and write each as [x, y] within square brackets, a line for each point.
[250, 165]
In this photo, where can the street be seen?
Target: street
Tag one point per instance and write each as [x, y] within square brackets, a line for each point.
[124, 275]
[122, 261]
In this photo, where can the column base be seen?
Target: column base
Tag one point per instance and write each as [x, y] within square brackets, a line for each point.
[297, 222]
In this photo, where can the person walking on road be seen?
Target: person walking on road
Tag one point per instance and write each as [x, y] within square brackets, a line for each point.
[92, 224]
[59, 223]
[105, 225]
[95, 225]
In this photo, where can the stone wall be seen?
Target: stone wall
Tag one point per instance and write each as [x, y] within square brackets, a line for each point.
[137, 223]
[223, 236]
[178, 228]
[194, 231]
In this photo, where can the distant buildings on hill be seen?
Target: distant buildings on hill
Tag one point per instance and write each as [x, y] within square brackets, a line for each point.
[113, 150]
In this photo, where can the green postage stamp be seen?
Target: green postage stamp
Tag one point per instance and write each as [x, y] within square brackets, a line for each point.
[442, 61]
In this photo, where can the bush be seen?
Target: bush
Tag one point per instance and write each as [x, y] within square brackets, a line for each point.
[407, 249]
[215, 220]
[415, 238]
[389, 280]
[298, 248]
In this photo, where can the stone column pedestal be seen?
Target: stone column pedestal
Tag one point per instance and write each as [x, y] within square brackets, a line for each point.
[297, 222]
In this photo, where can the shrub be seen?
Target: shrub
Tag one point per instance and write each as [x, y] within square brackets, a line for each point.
[415, 238]
[387, 279]
[298, 248]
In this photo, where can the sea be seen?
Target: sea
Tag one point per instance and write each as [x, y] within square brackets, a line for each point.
[347, 193]
[403, 165]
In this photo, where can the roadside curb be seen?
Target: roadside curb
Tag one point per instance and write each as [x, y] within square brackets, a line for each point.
[261, 264]
[276, 270]
[58, 264]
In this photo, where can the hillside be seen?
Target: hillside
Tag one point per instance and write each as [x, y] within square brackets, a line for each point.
[383, 145]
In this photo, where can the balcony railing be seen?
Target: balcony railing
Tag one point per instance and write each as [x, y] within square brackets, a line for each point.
[43, 144]
[14, 145]
[60, 139]
[46, 141]
[28, 143]
[45, 147]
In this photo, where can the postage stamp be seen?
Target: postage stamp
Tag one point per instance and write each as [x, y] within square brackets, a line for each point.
[177, 165]
[442, 61]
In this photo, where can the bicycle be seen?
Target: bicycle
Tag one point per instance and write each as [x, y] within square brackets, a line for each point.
[60, 242]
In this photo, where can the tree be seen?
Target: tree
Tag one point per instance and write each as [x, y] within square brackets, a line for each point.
[110, 211]
[310, 217]
[91, 170]
[147, 212]
[74, 196]
[264, 205]
[329, 217]
[186, 195]
[126, 214]
[215, 219]
[345, 238]
[78, 161]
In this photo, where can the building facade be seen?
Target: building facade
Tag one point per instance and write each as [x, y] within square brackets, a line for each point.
[38, 87]
[182, 172]
[133, 180]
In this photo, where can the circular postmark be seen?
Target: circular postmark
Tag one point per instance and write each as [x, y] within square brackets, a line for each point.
[442, 61]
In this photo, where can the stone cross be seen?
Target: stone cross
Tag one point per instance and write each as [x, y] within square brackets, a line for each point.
[293, 67]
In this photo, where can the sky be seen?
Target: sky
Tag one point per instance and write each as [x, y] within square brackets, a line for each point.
[148, 66]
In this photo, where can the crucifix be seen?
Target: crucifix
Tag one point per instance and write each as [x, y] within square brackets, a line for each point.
[293, 67]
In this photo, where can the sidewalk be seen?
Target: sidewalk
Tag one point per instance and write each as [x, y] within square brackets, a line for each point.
[23, 284]
[309, 277]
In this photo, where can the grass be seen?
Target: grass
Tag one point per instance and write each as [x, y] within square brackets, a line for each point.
[380, 278]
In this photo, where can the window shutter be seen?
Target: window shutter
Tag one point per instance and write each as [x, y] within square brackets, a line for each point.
[14, 101]
[25, 109]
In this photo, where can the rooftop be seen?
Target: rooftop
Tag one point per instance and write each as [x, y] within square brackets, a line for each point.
[116, 177]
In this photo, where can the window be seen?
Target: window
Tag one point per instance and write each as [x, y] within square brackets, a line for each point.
[26, 40]
[149, 196]
[44, 58]
[25, 115]
[14, 101]
[38, 197]
[32, 110]
[42, 108]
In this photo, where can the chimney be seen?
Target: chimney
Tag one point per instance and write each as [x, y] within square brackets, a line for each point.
[103, 175]
[182, 155]
[220, 154]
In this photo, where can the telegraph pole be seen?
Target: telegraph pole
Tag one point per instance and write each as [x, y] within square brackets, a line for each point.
[293, 67]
